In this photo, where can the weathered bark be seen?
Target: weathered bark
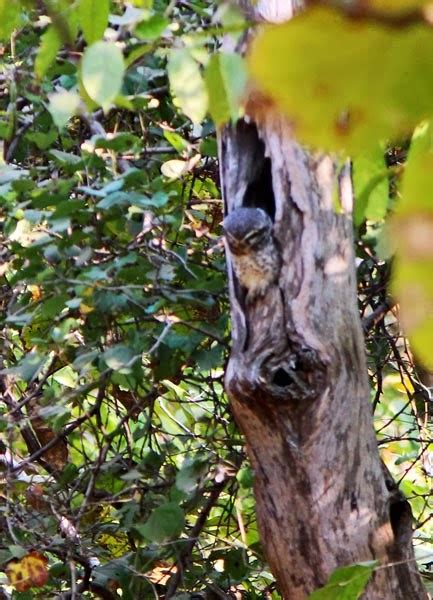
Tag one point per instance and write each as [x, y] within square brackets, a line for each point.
[297, 376]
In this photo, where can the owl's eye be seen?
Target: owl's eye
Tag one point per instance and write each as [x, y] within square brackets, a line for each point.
[255, 235]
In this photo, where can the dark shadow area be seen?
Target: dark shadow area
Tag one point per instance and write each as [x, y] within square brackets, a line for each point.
[260, 193]
[281, 378]
[253, 168]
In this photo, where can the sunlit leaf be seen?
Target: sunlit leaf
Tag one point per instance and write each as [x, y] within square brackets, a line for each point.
[9, 15]
[102, 72]
[174, 168]
[151, 28]
[62, 106]
[187, 85]
[47, 52]
[93, 16]
[345, 84]
[226, 78]
[370, 181]
[346, 583]
[117, 543]
[412, 231]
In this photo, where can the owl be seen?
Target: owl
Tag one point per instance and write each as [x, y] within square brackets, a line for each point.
[254, 253]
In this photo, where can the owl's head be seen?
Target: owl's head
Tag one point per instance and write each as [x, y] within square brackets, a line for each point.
[247, 229]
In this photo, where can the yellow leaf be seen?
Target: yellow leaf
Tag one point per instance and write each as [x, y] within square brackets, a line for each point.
[30, 571]
[85, 309]
[116, 543]
[345, 83]
[35, 291]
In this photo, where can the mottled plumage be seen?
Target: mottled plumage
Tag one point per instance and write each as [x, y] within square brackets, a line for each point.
[255, 256]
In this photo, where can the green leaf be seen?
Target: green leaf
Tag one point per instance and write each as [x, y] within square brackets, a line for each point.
[187, 85]
[65, 158]
[53, 306]
[165, 523]
[69, 473]
[62, 106]
[190, 474]
[226, 79]
[245, 477]
[370, 182]
[102, 72]
[120, 142]
[176, 140]
[235, 564]
[17, 551]
[120, 358]
[175, 168]
[43, 140]
[28, 368]
[152, 28]
[9, 17]
[47, 52]
[412, 234]
[209, 147]
[345, 84]
[93, 17]
[346, 583]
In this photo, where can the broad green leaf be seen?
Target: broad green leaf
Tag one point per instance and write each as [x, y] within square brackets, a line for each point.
[28, 368]
[65, 158]
[62, 106]
[190, 474]
[47, 52]
[412, 233]
[187, 85]
[235, 563]
[43, 140]
[102, 72]
[93, 16]
[209, 147]
[152, 28]
[370, 182]
[9, 16]
[346, 583]
[245, 477]
[66, 376]
[176, 140]
[120, 358]
[165, 523]
[173, 169]
[345, 84]
[226, 78]
[120, 142]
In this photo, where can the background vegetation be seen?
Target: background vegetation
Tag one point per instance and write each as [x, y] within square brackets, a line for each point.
[122, 472]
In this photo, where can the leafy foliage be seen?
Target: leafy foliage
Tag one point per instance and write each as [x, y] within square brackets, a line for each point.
[346, 583]
[118, 445]
[352, 86]
[122, 470]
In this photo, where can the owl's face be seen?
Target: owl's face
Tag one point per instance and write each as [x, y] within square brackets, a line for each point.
[247, 230]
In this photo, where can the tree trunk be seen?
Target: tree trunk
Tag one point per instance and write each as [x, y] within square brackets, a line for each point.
[297, 376]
